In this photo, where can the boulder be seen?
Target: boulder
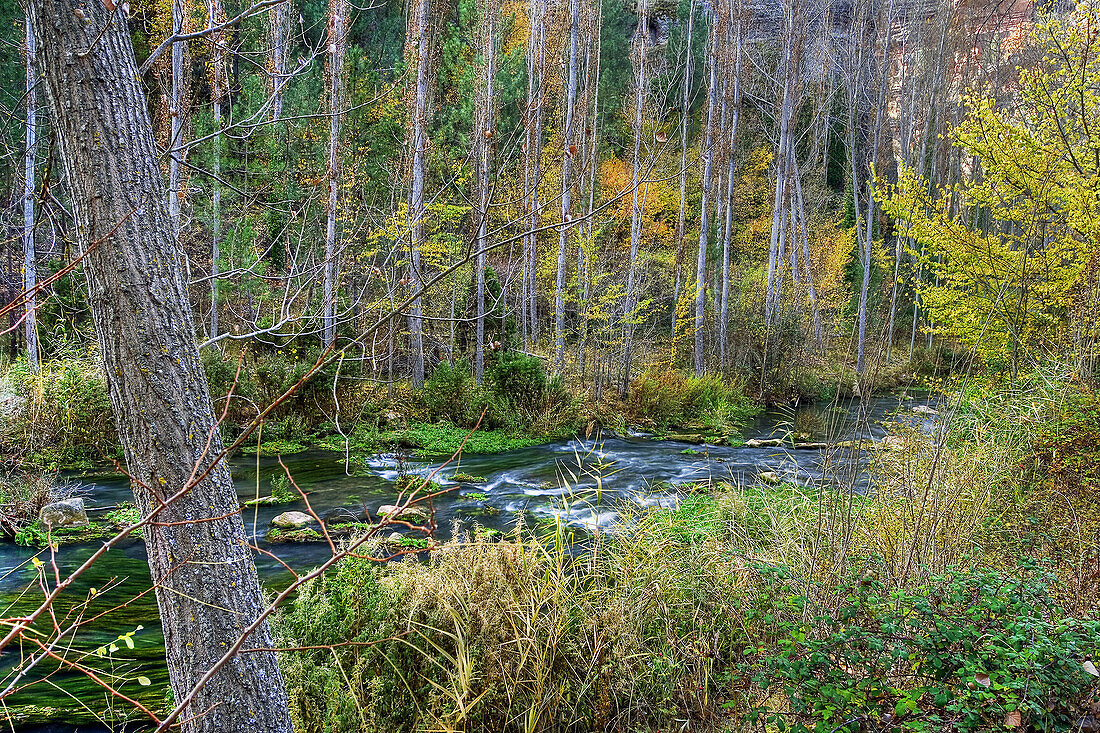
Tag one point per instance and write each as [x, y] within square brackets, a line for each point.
[925, 410]
[411, 513]
[892, 442]
[768, 477]
[67, 513]
[291, 520]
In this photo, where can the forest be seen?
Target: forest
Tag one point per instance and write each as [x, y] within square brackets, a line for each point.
[549, 366]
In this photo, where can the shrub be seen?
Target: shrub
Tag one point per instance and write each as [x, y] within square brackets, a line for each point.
[970, 650]
[66, 414]
[451, 394]
[22, 496]
[524, 397]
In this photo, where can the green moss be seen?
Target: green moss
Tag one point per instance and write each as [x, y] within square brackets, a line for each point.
[275, 534]
[445, 439]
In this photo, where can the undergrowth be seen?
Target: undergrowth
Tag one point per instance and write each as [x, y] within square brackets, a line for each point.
[953, 596]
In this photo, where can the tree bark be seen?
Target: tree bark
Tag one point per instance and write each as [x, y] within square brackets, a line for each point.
[704, 213]
[483, 144]
[337, 38]
[416, 189]
[218, 83]
[568, 154]
[685, 116]
[30, 260]
[175, 112]
[201, 566]
[638, 199]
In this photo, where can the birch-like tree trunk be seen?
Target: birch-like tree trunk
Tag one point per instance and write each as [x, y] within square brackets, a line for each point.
[704, 212]
[593, 23]
[337, 38]
[532, 164]
[215, 13]
[568, 153]
[637, 197]
[735, 28]
[30, 260]
[202, 568]
[175, 113]
[483, 136]
[278, 20]
[777, 241]
[419, 108]
[685, 118]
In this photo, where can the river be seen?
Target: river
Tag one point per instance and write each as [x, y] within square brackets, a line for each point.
[581, 481]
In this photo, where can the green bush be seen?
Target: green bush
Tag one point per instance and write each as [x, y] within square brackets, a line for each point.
[66, 416]
[524, 398]
[517, 378]
[451, 393]
[966, 651]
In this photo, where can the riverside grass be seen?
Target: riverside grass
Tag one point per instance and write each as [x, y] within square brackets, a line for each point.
[706, 616]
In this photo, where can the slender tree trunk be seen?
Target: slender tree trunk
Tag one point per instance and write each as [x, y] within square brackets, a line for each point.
[416, 189]
[337, 38]
[723, 314]
[568, 154]
[175, 111]
[777, 240]
[870, 217]
[483, 138]
[218, 82]
[638, 199]
[30, 260]
[201, 565]
[536, 45]
[685, 118]
[277, 17]
[704, 213]
[592, 82]
[803, 233]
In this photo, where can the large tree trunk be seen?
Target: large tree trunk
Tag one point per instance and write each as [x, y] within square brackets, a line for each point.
[201, 566]
[30, 261]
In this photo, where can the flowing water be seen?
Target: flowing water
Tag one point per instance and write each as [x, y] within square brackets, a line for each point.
[582, 481]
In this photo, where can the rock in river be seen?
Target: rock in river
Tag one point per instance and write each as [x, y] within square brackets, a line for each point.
[291, 520]
[67, 513]
[410, 513]
[768, 477]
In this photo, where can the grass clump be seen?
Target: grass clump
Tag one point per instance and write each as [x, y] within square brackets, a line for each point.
[669, 399]
[63, 418]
